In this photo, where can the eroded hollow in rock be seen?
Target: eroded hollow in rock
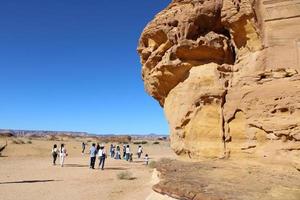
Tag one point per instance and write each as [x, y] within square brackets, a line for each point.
[205, 60]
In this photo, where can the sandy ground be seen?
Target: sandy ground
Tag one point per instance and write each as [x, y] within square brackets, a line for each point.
[26, 172]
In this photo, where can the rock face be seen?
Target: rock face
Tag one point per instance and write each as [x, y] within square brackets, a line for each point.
[226, 73]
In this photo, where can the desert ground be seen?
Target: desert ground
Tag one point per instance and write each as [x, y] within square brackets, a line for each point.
[26, 172]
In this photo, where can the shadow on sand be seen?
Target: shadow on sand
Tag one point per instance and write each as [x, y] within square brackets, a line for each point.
[75, 165]
[115, 168]
[138, 161]
[28, 181]
[87, 166]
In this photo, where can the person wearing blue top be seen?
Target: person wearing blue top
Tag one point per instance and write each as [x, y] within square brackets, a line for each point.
[93, 152]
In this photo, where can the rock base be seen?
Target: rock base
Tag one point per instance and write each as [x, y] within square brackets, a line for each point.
[228, 180]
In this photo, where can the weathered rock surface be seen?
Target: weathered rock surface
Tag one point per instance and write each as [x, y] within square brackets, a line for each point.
[227, 75]
[227, 180]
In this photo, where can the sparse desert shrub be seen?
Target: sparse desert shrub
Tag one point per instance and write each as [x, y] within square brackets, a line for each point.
[29, 142]
[125, 139]
[152, 164]
[162, 138]
[126, 175]
[165, 160]
[156, 142]
[51, 137]
[140, 142]
[18, 141]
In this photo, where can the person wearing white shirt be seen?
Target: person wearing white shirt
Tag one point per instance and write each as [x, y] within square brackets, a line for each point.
[127, 152]
[140, 151]
[102, 156]
[146, 159]
[63, 154]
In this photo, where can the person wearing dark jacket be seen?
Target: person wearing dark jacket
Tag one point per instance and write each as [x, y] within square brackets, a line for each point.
[54, 153]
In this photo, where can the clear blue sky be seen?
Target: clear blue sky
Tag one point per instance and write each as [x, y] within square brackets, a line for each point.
[73, 65]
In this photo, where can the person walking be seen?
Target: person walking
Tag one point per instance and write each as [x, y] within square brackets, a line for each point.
[111, 150]
[63, 154]
[102, 156]
[118, 153]
[97, 147]
[83, 148]
[127, 152]
[54, 153]
[124, 152]
[146, 159]
[139, 151]
[93, 152]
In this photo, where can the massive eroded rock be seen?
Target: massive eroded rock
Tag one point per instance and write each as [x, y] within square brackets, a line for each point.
[227, 74]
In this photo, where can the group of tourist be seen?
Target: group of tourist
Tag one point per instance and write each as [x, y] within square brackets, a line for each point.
[115, 152]
[62, 153]
[99, 151]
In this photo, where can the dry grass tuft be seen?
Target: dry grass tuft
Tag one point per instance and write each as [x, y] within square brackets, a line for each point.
[126, 175]
[152, 164]
[18, 141]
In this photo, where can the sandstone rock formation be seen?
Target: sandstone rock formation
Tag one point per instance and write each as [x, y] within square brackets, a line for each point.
[226, 180]
[227, 74]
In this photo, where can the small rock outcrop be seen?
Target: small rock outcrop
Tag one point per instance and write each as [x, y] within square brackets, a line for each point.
[227, 75]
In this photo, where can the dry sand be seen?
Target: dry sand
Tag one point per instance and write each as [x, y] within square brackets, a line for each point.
[26, 172]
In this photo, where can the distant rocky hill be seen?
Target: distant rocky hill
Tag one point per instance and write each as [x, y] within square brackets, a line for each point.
[39, 132]
[106, 137]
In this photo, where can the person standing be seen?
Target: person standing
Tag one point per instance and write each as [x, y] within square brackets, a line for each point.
[102, 156]
[140, 151]
[93, 152]
[63, 154]
[54, 153]
[127, 152]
